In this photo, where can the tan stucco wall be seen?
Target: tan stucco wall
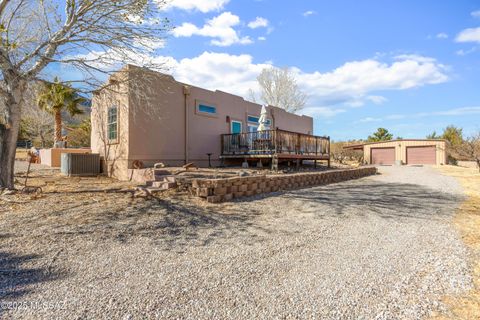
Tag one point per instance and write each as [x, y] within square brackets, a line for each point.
[114, 153]
[155, 129]
[401, 149]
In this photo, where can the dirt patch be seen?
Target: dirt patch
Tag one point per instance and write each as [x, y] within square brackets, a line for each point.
[21, 154]
[467, 221]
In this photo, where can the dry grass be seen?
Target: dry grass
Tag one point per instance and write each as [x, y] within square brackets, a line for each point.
[467, 221]
[21, 154]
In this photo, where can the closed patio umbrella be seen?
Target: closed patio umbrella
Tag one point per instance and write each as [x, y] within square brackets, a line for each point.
[263, 121]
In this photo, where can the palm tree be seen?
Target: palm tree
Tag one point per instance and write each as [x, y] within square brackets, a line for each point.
[56, 97]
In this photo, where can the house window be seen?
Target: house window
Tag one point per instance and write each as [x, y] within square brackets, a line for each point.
[252, 123]
[112, 123]
[235, 127]
[207, 109]
[252, 128]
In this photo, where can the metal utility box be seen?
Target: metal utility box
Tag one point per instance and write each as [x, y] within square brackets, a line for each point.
[80, 164]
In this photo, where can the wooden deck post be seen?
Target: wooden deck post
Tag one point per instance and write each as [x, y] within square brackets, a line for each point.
[328, 151]
[222, 144]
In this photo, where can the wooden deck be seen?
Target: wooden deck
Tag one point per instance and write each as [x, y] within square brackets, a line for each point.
[280, 144]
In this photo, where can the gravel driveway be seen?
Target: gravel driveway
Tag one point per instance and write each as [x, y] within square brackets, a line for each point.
[377, 248]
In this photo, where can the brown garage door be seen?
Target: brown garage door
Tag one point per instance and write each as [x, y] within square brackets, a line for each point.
[383, 155]
[421, 155]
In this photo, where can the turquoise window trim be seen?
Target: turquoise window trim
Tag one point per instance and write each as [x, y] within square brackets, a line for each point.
[254, 119]
[236, 127]
[207, 109]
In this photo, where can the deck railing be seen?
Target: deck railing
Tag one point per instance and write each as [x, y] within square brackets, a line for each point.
[271, 142]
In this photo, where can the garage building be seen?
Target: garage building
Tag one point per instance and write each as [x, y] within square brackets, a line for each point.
[406, 151]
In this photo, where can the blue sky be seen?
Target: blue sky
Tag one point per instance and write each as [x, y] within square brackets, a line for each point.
[410, 66]
[404, 65]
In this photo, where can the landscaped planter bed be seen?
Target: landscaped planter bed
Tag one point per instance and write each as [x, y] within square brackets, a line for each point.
[226, 189]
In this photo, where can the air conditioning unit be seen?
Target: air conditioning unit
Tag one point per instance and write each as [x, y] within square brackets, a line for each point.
[80, 164]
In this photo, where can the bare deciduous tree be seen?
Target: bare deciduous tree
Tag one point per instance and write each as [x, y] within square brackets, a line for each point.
[39, 126]
[36, 124]
[279, 88]
[469, 149]
[89, 37]
[341, 154]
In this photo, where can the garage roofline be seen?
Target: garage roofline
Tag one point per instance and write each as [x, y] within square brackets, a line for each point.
[361, 145]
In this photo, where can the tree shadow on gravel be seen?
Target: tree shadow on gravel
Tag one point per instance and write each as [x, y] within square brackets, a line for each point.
[170, 221]
[173, 221]
[15, 278]
[179, 221]
[176, 221]
[387, 200]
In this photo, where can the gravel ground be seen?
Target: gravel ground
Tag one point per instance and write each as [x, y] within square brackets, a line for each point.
[377, 248]
[22, 166]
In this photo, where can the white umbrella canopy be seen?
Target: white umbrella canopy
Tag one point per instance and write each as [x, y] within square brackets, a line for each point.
[263, 121]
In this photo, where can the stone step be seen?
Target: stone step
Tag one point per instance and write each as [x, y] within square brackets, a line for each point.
[163, 178]
[164, 185]
[152, 189]
[161, 172]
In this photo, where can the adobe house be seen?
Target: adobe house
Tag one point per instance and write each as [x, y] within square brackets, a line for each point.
[144, 117]
[405, 151]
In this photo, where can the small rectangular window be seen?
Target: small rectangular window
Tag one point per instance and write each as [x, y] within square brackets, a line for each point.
[112, 123]
[254, 119]
[207, 109]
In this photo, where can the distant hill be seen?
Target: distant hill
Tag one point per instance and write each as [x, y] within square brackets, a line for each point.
[86, 107]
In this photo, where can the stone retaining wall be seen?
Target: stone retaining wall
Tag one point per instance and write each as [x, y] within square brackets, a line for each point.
[226, 189]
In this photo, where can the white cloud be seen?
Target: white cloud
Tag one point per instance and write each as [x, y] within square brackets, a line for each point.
[469, 35]
[322, 112]
[259, 22]
[414, 57]
[369, 119]
[442, 35]
[357, 103]
[458, 111]
[309, 13]
[348, 84]
[445, 113]
[476, 14]
[199, 5]
[377, 99]
[261, 38]
[219, 28]
[462, 52]
[395, 117]
[328, 92]
[230, 73]
[355, 80]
